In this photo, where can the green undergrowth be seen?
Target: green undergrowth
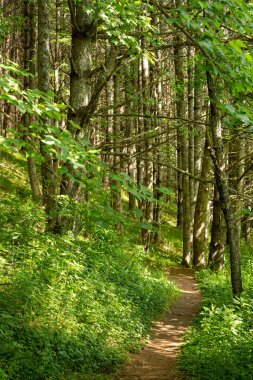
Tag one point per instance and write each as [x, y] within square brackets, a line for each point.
[167, 252]
[12, 178]
[220, 344]
[71, 306]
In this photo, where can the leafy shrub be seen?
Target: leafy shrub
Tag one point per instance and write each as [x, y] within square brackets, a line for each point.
[74, 303]
[220, 344]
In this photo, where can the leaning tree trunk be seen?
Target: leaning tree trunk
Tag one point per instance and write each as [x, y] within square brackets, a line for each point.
[217, 154]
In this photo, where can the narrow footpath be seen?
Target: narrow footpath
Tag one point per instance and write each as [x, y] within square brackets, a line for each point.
[158, 360]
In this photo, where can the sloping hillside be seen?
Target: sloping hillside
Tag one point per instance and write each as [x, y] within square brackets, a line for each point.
[68, 303]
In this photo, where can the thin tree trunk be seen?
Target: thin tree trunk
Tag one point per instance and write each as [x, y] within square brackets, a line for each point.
[202, 212]
[158, 95]
[116, 185]
[216, 260]
[148, 165]
[239, 185]
[157, 206]
[47, 170]
[29, 56]
[131, 78]
[199, 137]
[183, 150]
[246, 222]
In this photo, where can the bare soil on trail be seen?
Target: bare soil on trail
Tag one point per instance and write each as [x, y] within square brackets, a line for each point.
[158, 360]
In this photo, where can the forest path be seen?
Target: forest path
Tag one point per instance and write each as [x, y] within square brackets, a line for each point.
[158, 360]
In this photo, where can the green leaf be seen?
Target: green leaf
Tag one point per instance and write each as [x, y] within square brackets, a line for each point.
[135, 193]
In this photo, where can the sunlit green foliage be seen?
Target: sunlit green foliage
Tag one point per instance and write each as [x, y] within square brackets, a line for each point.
[75, 303]
[167, 252]
[88, 170]
[124, 22]
[220, 344]
[221, 33]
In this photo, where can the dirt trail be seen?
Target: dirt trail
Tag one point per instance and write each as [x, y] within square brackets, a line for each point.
[158, 359]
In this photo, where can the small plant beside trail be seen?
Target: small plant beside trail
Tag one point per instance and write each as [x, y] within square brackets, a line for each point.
[220, 344]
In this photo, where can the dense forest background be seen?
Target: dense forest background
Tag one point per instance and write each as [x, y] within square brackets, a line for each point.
[124, 126]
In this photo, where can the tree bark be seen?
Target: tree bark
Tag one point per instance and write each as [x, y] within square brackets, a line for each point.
[202, 212]
[47, 169]
[217, 154]
[29, 57]
[131, 78]
[190, 97]
[216, 260]
[84, 90]
[182, 148]
[148, 165]
[116, 185]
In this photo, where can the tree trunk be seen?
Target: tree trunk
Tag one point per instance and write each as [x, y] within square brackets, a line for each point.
[131, 77]
[216, 260]
[190, 97]
[116, 185]
[182, 135]
[82, 46]
[217, 154]
[246, 222]
[202, 212]
[158, 95]
[29, 57]
[84, 90]
[47, 170]
[148, 165]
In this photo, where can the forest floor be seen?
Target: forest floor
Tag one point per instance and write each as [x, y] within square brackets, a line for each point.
[159, 359]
